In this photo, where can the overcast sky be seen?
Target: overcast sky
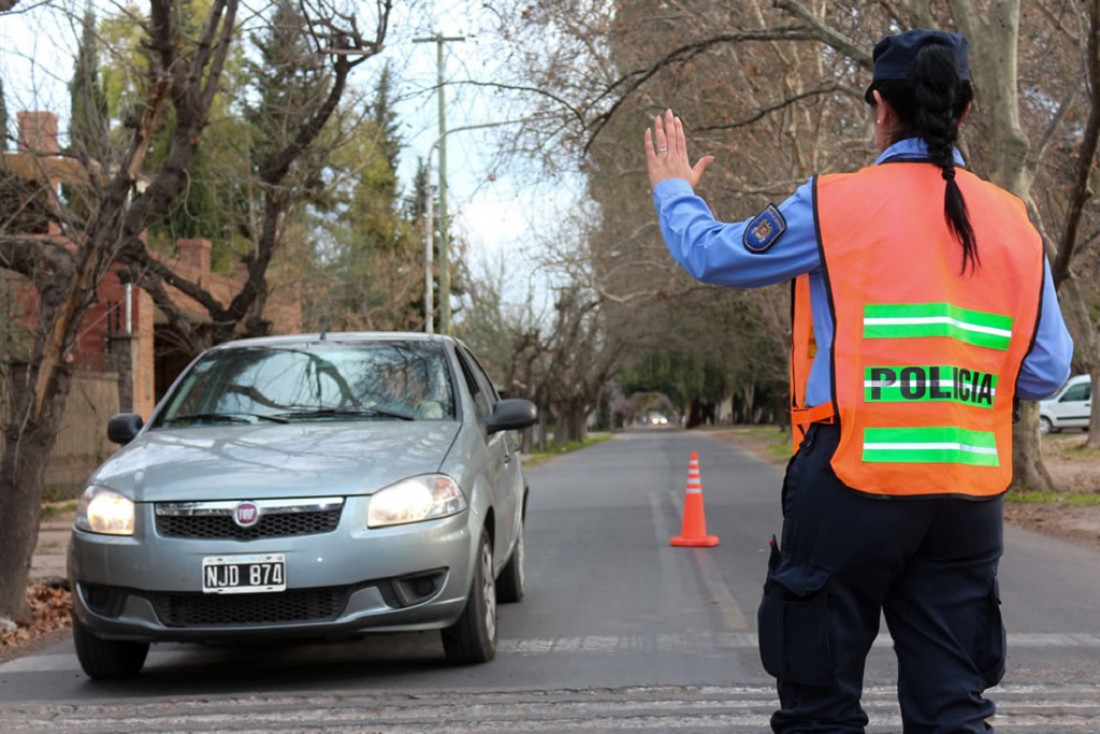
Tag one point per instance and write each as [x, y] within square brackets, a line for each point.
[494, 210]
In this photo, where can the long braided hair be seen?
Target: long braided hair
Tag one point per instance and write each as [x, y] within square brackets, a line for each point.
[929, 105]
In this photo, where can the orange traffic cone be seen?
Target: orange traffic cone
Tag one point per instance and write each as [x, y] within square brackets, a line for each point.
[693, 532]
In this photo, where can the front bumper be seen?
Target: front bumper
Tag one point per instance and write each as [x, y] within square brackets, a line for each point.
[351, 580]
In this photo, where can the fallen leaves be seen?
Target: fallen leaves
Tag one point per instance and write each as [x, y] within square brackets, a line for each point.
[50, 607]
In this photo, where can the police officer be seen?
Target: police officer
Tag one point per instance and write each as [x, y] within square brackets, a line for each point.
[932, 307]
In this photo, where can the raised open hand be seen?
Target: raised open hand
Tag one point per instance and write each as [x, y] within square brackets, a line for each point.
[666, 152]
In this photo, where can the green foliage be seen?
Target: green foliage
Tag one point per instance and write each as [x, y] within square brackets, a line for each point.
[357, 243]
[679, 376]
[373, 260]
[212, 207]
[89, 122]
[539, 457]
[88, 112]
[289, 80]
[416, 203]
[123, 70]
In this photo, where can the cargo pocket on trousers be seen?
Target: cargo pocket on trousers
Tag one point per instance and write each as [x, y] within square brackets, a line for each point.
[990, 657]
[792, 622]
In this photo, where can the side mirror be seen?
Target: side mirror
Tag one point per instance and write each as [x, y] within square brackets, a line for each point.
[122, 428]
[512, 414]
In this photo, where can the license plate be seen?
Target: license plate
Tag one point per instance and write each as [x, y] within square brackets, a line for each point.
[244, 574]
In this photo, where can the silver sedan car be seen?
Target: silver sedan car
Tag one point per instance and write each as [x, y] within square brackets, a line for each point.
[313, 486]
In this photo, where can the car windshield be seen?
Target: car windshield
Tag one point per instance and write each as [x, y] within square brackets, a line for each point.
[320, 381]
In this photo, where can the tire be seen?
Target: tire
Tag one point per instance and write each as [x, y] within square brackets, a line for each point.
[512, 582]
[473, 638]
[107, 659]
[1045, 426]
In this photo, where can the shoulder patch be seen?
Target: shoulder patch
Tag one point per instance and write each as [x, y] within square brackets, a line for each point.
[764, 229]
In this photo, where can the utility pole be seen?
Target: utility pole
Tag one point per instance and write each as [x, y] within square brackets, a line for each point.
[444, 235]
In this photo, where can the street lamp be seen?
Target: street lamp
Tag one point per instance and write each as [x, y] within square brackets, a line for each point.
[444, 278]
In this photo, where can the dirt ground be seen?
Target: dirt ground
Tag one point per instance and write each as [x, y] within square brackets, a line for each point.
[1077, 471]
[1073, 468]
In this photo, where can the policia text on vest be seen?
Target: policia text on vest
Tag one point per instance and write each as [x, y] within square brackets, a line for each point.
[933, 383]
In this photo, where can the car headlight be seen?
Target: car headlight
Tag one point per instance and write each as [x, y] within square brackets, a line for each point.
[415, 499]
[102, 510]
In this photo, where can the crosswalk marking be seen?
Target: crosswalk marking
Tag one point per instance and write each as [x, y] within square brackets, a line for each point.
[737, 709]
[589, 645]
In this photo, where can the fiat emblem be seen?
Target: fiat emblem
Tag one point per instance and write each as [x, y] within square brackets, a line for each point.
[246, 514]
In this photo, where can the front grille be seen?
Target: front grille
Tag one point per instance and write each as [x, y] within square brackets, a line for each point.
[274, 518]
[211, 610]
[280, 525]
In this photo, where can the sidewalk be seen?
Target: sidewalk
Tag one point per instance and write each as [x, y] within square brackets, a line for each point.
[48, 562]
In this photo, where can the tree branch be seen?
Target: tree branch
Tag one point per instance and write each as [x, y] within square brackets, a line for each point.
[812, 31]
[765, 111]
[32, 257]
[842, 44]
[1087, 154]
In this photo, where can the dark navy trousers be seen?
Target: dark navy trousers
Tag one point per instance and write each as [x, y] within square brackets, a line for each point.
[928, 565]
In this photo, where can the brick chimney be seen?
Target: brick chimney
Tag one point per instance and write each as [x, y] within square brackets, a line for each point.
[38, 133]
[195, 253]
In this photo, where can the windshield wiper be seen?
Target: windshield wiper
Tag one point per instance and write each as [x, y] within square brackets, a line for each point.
[230, 417]
[365, 410]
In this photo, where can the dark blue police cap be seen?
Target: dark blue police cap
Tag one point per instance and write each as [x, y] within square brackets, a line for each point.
[894, 55]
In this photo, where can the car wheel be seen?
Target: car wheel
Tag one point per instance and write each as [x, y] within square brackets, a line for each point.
[107, 659]
[1045, 426]
[512, 582]
[473, 638]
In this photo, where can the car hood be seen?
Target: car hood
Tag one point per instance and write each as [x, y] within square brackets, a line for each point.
[265, 461]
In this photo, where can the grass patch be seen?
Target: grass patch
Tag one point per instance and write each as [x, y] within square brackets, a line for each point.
[1070, 449]
[766, 441]
[53, 509]
[538, 457]
[61, 492]
[777, 444]
[1065, 499]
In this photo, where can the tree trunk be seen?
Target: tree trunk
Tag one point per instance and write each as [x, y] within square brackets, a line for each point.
[748, 395]
[993, 32]
[1028, 469]
[1093, 441]
[578, 420]
[27, 447]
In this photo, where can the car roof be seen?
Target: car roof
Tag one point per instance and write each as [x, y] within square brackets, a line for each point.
[337, 337]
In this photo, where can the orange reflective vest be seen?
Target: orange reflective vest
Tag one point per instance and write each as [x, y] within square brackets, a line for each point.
[924, 357]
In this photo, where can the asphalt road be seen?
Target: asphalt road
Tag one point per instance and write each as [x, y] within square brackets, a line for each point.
[620, 632]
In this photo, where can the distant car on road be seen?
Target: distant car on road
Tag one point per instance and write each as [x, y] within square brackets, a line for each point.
[1069, 407]
[305, 486]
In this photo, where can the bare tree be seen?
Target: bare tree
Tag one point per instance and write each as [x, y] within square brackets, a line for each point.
[287, 175]
[124, 199]
[776, 94]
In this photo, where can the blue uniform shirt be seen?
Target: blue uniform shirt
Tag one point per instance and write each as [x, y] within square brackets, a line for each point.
[714, 252]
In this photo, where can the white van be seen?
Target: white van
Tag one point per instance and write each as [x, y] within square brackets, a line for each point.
[1067, 408]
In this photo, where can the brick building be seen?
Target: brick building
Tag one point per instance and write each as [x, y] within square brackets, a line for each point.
[123, 332]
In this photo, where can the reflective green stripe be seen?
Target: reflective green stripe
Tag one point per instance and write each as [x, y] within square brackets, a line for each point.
[934, 383]
[937, 445]
[909, 320]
